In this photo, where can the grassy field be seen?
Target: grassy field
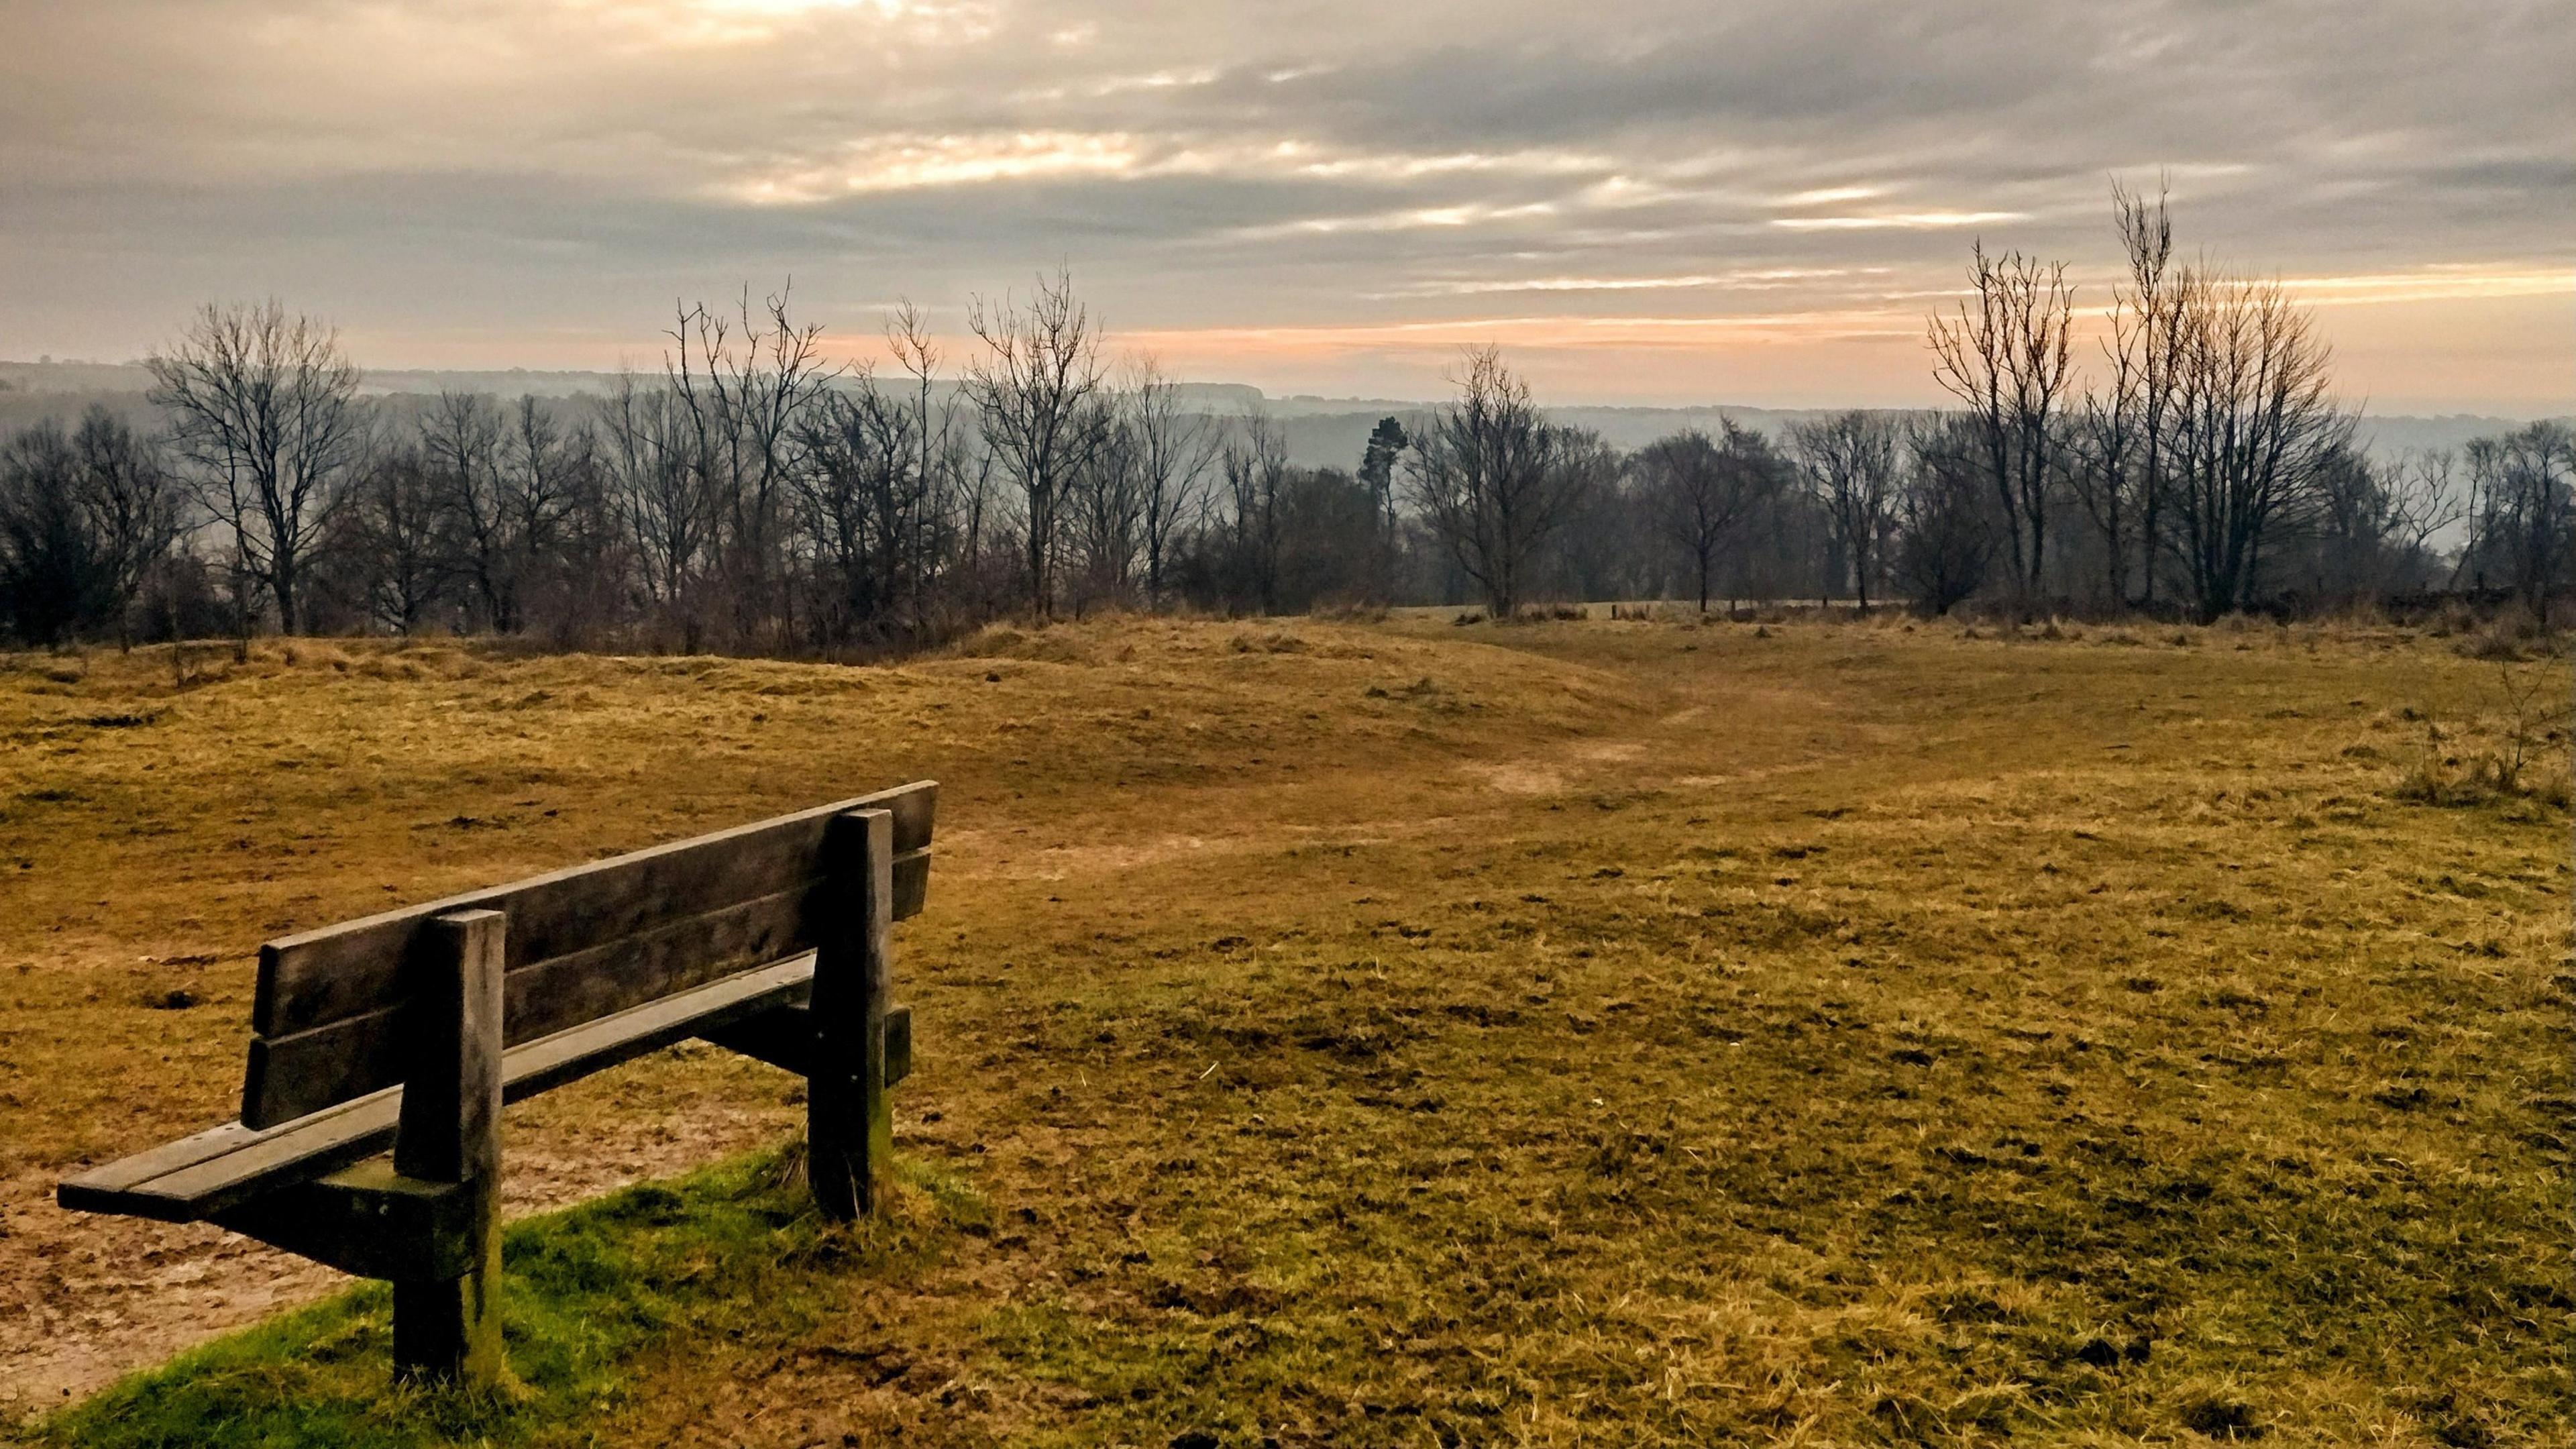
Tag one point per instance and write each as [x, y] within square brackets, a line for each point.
[1399, 1034]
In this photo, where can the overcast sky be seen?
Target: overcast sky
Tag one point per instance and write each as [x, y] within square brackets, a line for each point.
[1751, 202]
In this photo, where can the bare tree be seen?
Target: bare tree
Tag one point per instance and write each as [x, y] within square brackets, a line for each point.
[2146, 353]
[2375, 521]
[2349, 553]
[1108, 507]
[1850, 464]
[1255, 466]
[865, 506]
[2102, 469]
[540, 469]
[1493, 478]
[131, 502]
[1701, 493]
[1035, 390]
[739, 383]
[589, 557]
[460, 452]
[2254, 432]
[2004, 357]
[2424, 500]
[2112, 462]
[659, 496]
[909, 338]
[2522, 513]
[396, 525]
[268, 421]
[1172, 450]
[53, 564]
[1944, 514]
[976, 495]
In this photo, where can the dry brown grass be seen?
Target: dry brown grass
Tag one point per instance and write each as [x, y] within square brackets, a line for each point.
[1603, 1032]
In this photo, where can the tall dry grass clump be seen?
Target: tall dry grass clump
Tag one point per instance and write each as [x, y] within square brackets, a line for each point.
[2513, 634]
[2519, 750]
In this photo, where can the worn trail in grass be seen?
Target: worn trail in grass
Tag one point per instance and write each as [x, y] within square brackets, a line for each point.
[1597, 1032]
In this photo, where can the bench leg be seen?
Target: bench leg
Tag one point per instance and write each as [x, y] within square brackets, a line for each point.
[849, 1121]
[448, 1329]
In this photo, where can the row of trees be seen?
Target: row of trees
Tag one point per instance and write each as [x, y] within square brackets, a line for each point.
[755, 497]
[88, 517]
[751, 497]
[2208, 460]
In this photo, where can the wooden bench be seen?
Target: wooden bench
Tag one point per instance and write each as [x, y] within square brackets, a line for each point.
[409, 1030]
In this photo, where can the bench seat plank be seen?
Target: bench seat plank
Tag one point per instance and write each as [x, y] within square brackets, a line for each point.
[228, 1166]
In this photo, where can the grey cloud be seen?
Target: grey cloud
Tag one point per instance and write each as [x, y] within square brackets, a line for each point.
[569, 166]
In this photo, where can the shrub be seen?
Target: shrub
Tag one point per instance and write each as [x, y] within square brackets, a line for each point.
[2504, 638]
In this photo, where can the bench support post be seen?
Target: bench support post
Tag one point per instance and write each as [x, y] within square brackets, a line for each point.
[849, 1121]
[447, 1328]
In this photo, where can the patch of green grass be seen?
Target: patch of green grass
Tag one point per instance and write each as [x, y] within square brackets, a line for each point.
[588, 1295]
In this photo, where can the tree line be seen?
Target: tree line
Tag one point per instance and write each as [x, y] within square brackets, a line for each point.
[754, 496]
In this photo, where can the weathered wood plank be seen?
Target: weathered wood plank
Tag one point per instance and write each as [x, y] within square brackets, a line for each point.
[875, 1165]
[179, 1187]
[911, 882]
[567, 1056]
[368, 1220]
[783, 1037]
[845, 1081]
[300, 1151]
[566, 991]
[291, 1075]
[450, 1123]
[316, 977]
[315, 1070]
[447, 1325]
[232, 1165]
[77, 1193]
[898, 1044]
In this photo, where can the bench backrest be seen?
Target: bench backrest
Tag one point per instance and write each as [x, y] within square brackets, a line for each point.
[583, 943]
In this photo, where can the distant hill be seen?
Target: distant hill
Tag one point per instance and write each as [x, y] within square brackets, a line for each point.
[73, 377]
[1320, 431]
[1317, 436]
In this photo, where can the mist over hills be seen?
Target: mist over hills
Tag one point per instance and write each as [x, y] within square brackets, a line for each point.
[1320, 431]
